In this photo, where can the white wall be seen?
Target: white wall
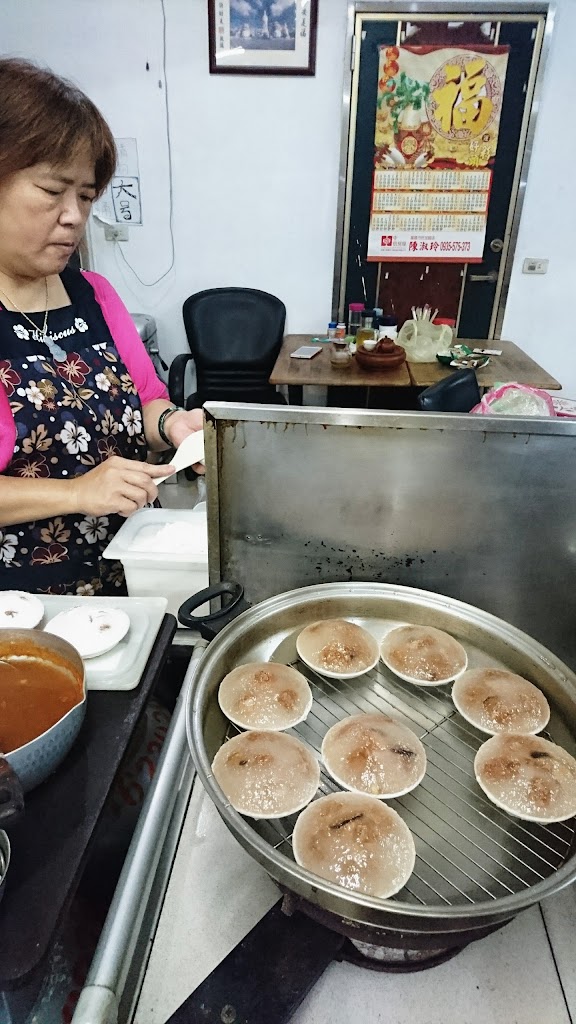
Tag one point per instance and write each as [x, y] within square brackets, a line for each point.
[538, 316]
[255, 159]
[255, 165]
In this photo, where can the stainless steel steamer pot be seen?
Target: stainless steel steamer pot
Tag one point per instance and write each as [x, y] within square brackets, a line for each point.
[476, 867]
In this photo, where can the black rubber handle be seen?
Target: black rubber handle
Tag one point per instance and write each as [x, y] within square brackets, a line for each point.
[210, 625]
[11, 795]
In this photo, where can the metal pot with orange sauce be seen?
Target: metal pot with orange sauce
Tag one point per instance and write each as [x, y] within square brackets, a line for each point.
[42, 702]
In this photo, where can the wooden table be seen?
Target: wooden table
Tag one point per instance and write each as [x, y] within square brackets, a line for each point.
[318, 371]
[512, 365]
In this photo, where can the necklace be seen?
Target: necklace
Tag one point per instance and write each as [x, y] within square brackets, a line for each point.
[58, 352]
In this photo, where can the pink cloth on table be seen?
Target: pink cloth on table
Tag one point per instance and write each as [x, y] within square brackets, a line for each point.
[129, 345]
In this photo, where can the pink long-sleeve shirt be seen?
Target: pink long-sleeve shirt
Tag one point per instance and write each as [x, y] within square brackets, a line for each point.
[130, 348]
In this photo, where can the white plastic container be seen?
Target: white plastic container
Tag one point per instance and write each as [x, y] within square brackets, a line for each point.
[157, 569]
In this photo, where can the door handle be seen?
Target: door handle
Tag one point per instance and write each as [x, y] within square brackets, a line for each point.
[491, 277]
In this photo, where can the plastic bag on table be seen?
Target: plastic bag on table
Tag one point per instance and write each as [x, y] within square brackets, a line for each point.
[565, 407]
[422, 339]
[515, 400]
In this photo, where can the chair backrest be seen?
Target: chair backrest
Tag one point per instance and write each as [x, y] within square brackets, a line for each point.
[458, 392]
[235, 335]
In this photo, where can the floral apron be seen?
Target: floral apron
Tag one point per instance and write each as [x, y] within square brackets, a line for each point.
[70, 415]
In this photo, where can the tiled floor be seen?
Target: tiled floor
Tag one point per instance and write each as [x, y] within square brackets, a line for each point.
[559, 917]
[509, 978]
[523, 974]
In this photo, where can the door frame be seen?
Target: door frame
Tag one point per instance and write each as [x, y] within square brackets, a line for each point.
[414, 10]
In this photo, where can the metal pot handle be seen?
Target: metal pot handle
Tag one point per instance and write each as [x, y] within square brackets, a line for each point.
[11, 795]
[210, 625]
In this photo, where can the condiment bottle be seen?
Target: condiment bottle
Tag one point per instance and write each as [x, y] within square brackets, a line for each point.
[332, 330]
[355, 312]
[388, 328]
[341, 330]
[366, 332]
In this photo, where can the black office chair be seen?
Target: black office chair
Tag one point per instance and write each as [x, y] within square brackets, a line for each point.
[457, 393]
[235, 335]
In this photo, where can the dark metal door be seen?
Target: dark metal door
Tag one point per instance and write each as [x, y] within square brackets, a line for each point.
[466, 293]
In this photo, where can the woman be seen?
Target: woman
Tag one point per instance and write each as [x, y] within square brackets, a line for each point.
[80, 404]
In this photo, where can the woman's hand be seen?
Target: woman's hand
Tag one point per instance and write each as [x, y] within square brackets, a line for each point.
[117, 486]
[182, 423]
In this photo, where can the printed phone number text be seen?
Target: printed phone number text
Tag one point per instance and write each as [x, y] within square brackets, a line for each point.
[454, 246]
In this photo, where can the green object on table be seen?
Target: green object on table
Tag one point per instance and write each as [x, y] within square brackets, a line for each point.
[456, 352]
[463, 357]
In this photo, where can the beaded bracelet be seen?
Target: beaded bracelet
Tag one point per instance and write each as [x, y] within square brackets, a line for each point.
[162, 419]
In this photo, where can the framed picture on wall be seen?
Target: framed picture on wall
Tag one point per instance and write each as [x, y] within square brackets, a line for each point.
[263, 37]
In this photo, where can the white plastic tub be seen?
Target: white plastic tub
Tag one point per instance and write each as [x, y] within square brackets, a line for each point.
[161, 556]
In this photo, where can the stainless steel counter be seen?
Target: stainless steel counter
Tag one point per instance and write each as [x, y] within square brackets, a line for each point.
[117, 968]
[480, 509]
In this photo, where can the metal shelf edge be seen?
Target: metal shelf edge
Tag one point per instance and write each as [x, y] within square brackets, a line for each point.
[100, 998]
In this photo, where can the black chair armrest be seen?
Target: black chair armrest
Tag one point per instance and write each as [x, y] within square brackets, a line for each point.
[176, 378]
[459, 392]
[193, 401]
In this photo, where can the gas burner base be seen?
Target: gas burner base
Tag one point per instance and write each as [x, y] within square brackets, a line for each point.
[371, 946]
[387, 960]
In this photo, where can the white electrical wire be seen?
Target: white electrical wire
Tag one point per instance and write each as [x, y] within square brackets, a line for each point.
[117, 246]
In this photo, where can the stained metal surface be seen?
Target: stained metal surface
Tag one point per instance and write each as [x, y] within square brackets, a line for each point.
[480, 508]
[475, 864]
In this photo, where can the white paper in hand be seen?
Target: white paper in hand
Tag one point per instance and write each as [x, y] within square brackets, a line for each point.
[188, 453]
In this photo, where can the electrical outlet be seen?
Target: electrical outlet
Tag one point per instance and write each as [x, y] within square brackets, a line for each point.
[535, 267]
[116, 232]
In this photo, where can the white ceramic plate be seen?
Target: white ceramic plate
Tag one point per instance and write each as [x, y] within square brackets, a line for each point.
[251, 696]
[368, 743]
[376, 858]
[523, 707]
[342, 637]
[395, 634]
[266, 774]
[19, 610]
[92, 631]
[506, 749]
[122, 667]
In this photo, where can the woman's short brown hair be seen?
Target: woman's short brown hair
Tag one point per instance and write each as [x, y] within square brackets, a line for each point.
[44, 118]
